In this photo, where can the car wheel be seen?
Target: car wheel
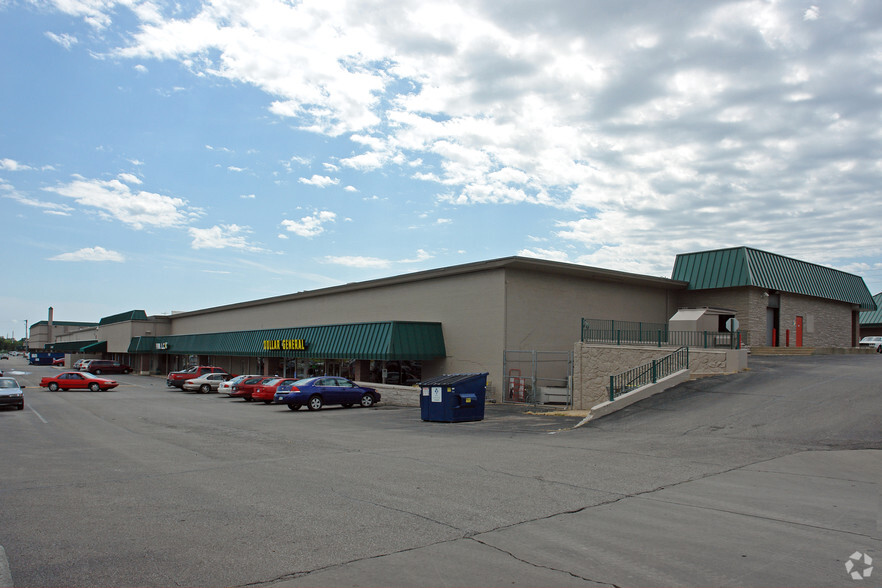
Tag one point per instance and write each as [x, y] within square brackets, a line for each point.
[53, 387]
[94, 387]
[315, 402]
[367, 400]
[879, 349]
[97, 372]
[205, 388]
[127, 371]
[267, 401]
[20, 407]
[247, 398]
[294, 406]
[347, 405]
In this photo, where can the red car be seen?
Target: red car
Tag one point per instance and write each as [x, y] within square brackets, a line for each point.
[266, 390]
[77, 381]
[177, 379]
[246, 387]
[58, 361]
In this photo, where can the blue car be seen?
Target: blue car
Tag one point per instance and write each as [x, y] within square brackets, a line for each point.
[314, 393]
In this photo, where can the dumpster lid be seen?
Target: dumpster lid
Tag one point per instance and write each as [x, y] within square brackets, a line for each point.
[452, 379]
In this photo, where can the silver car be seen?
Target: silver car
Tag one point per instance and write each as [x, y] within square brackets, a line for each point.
[874, 342]
[205, 383]
[11, 393]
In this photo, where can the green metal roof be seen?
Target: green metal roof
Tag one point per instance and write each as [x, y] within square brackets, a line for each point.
[380, 341]
[744, 266]
[873, 317]
[132, 315]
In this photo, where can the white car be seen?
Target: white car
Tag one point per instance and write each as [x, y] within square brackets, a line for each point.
[227, 386]
[205, 383]
[874, 342]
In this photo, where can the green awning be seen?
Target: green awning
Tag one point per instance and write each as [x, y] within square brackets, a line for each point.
[873, 317]
[97, 347]
[91, 346]
[393, 340]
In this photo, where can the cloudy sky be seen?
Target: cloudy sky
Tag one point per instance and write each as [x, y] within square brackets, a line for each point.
[172, 156]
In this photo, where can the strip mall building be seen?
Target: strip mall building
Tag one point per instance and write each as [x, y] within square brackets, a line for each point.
[476, 317]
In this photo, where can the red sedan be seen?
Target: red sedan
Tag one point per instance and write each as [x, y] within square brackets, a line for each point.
[266, 390]
[245, 388]
[77, 381]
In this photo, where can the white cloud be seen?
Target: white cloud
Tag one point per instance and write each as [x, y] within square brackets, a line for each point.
[629, 124]
[65, 40]
[116, 200]
[357, 261]
[350, 189]
[90, 254]
[12, 165]
[222, 237]
[319, 181]
[360, 261]
[129, 178]
[310, 226]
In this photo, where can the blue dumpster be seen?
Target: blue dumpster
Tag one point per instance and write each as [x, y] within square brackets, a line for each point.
[453, 398]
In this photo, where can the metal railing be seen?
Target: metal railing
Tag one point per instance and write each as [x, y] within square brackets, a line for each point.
[648, 373]
[630, 333]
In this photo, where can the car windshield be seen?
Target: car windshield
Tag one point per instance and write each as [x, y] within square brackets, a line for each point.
[8, 383]
[273, 382]
[305, 382]
[89, 376]
[236, 380]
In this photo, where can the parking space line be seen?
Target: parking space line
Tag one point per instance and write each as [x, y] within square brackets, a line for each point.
[39, 416]
[5, 574]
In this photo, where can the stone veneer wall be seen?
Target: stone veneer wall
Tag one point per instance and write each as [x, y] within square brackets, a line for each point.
[826, 323]
[395, 395]
[593, 365]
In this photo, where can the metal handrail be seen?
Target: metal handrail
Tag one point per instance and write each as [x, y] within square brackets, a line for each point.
[648, 373]
[662, 337]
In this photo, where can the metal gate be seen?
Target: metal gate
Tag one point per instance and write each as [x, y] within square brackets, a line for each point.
[538, 377]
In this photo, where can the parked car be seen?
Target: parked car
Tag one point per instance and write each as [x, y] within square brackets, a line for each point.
[317, 392]
[266, 390]
[4, 356]
[105, 366]
[78, 364]
[58, 361]
[77, 381]
[177, 379]
[205, 383]
[874, 342]
[245, 388]
[226, 387]
[11, 393]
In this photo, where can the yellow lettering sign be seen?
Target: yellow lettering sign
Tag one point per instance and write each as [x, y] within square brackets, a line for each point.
[285, 344]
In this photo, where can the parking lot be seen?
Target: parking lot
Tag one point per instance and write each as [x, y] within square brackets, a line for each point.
[769, 477]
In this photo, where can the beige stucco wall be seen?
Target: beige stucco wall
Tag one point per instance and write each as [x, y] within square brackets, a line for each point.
[470, 308]
[119, 335]
[545, 311]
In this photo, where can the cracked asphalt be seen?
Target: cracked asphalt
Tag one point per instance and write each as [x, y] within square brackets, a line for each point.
[769, 477]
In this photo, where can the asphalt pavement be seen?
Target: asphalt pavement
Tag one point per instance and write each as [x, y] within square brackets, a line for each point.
[769, 477]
